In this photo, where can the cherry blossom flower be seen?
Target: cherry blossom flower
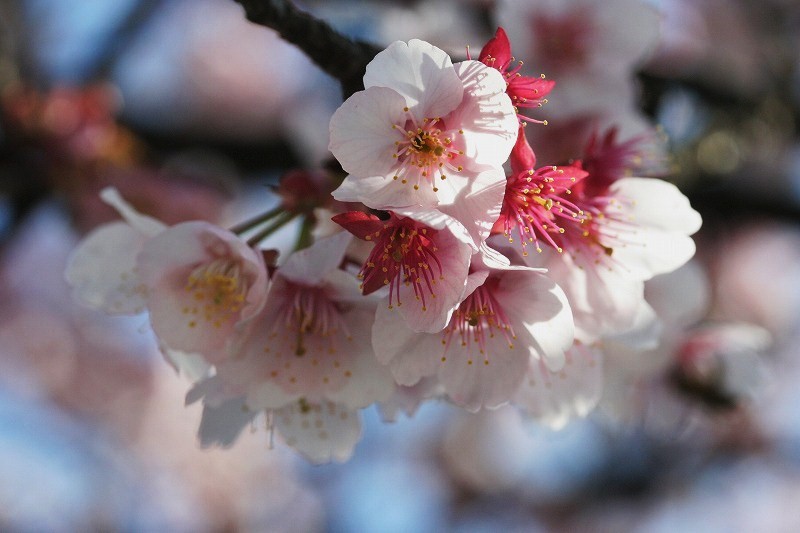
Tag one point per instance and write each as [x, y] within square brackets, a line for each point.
[423, 129]
[611, 233]
[723, 362]
[308, 360]
[507, 317]
[422, 259]
[535, 200]
[204, 285]
[310, 341]
[639, 229]
[524, 91]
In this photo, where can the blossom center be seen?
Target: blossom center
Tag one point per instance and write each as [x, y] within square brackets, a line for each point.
[424, 150]
[311, 320]
[535, 202]
[480, 317]
[604, 228]
[217, 291]
[404, 255]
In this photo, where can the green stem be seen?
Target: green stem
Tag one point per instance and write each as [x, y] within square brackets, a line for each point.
[304, 239]
[242, 227]
[281, 220]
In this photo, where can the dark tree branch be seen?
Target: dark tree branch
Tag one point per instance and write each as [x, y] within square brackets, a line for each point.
[341, 57]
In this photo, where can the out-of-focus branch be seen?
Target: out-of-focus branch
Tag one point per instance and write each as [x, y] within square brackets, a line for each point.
[118, 40]
[339, 56]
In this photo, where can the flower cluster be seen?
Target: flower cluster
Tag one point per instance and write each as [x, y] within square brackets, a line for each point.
[464, 269]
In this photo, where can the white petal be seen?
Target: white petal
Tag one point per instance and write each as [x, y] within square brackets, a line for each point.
[411, 355]
[488, 380]
[645, 333]
[682, 297]
[222, 425]
[477, 206]
[361, 134]
[603, 301]
[486, 115]
[191, 365]
[652, 251]
[369, 380]
[419, 71]
[543, 313]
[311, 265]
[268, 395]
[102, 269]
[658, 204]
[555, 398]
[381, 192]
[321, 432]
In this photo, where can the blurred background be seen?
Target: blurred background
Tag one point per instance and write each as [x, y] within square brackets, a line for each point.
[192, 112]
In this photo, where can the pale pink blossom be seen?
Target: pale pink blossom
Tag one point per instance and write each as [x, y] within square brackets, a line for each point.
[311, 341]
[639, 228]
[421, 259]
[204, 285]
[507, 318]
[423, 130]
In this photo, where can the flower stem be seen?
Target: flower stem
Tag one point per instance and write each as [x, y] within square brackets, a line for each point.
[280, 220]
[304, 239]
[257, 220]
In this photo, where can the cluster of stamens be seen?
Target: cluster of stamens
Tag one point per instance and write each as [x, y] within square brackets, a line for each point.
[217, 292]
[424, 151]
[479, 318]
[603, 229]
[309, 312]
[524, 91]
[404, 255]
[536, 205]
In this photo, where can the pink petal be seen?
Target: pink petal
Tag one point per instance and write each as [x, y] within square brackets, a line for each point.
[499, 48]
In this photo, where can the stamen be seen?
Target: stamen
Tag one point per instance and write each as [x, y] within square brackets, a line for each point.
[217, 292]
[479, 317]
[404, 255]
